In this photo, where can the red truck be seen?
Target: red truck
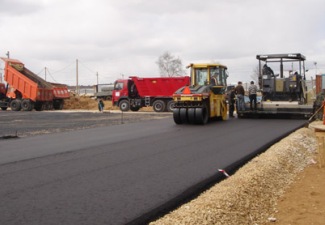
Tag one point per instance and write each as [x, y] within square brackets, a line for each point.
[27, 91]
[135, 92]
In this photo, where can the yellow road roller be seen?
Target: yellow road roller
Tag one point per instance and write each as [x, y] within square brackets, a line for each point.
[205, 98]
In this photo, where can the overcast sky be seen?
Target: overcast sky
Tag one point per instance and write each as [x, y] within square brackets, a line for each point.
[126, 37]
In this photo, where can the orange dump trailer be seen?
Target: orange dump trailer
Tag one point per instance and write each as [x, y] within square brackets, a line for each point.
[27, 91]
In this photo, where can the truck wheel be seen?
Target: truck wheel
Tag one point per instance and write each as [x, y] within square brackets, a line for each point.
[177, 116]
[134, 108]
[159, 106]
[201, 115]
[38, 106]
[124, 105]
[170, 106]
[61, 105]
[4, 108]
[15, 105]
[58, 104]
[26, 105]
[48, 105]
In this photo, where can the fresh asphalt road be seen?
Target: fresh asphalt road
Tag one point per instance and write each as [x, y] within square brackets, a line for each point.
[112, 175]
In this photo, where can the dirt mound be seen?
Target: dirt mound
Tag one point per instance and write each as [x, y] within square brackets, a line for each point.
[87, 103]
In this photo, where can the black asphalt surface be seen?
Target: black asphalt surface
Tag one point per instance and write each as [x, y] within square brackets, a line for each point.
[115, 174]
[33, 123]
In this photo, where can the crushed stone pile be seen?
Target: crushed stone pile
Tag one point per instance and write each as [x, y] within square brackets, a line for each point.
[250, 195]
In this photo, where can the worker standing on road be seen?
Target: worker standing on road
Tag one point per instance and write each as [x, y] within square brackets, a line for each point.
[252, 91]
[232, 102]
[101, 105]
[240, 92]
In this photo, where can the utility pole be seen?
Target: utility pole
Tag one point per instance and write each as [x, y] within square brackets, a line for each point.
[45, 72]
[97, 78]
[77, 85]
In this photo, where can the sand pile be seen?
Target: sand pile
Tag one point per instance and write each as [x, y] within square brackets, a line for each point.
[250, 195]
[87, 103]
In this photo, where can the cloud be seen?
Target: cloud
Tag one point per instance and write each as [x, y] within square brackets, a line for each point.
[18, 7]
[127, 37]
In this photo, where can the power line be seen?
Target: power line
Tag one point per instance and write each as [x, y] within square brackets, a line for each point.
[64, 68]
[91, 70]
[51, 75]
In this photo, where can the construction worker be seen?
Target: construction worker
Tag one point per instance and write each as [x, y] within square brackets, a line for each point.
[252, 93]
[101, 105]
[240, 92]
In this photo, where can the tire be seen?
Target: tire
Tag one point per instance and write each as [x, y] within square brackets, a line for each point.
[183, 115]
[176, 116]
[201, 115]
[61, 105]
[170, 106]
[26, 105]
[58, 104]
[124, 105]
[4, 108]
[191, 115]
[15, 105]
[49, 106]
[38, 106]
[159, 106]
[134, 108]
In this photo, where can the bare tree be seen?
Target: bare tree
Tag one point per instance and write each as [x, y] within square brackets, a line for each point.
[170, 66]
[255, 75]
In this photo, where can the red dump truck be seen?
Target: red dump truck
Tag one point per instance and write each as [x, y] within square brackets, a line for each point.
[135, 92]
[27, 91]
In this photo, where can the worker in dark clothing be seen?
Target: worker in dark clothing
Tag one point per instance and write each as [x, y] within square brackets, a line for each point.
[240, 92]
[267, 70]
[101, 105]
[231, 102]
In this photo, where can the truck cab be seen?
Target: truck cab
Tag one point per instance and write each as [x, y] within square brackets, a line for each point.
[2, 89]
[120, 94]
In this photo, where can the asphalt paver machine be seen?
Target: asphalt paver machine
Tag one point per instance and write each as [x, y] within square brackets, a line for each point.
[282, 82]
